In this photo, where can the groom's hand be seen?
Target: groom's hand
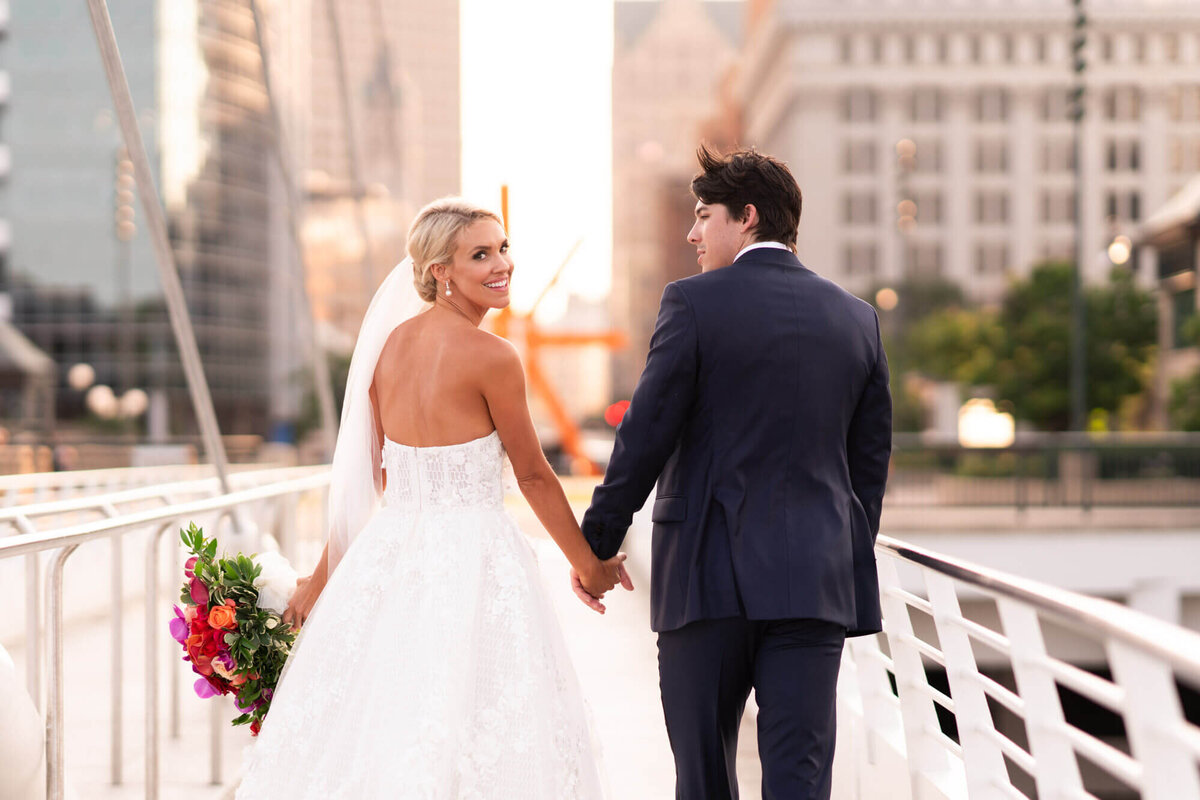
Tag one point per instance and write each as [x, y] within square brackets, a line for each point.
[620, 575]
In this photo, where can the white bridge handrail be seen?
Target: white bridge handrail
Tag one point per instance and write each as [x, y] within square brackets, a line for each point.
[39, 487]
[1013, 738]
[64, 541]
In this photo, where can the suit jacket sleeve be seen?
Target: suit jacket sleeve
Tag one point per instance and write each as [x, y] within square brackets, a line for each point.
[869, 442]
[650, 431]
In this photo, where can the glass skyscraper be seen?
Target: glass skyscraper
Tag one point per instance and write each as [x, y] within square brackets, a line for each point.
[84, 285]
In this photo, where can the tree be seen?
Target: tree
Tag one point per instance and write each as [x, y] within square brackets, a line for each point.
[918, 299]
[310, 411]
[1185, 392]
[1022, 350]
[1032, 362]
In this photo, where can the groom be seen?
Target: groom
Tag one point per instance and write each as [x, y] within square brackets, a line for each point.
[764, 416]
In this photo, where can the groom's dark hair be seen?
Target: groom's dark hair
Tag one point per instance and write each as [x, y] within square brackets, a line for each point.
[746, 177]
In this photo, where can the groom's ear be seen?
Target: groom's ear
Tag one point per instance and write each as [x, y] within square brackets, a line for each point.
[750, 218]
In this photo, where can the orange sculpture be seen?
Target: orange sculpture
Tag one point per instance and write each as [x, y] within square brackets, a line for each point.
[532, 339]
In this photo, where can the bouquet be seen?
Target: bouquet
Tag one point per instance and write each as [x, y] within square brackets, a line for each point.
[230, 624]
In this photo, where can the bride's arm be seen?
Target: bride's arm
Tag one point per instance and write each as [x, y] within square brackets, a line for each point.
[378, 428]
[307, 591]
[504, 390]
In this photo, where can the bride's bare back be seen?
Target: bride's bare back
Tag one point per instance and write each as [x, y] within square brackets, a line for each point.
[430, 382]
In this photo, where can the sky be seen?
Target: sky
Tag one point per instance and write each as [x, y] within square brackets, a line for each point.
[537, 115]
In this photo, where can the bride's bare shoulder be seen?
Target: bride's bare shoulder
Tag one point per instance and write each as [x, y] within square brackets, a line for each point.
[491, 352]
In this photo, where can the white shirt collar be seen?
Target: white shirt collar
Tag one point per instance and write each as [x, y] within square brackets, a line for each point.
[756, 245]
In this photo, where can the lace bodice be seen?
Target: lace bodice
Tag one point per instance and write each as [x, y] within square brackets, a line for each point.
[468, 475]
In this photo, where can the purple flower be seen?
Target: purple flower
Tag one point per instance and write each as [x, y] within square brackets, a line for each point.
[199, 592]
[179, 626]
[204, 689]
[245, 709]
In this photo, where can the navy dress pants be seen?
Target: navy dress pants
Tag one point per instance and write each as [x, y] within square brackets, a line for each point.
[706, 672]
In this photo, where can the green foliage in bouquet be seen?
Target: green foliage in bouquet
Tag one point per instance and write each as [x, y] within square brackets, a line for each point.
[236, 646]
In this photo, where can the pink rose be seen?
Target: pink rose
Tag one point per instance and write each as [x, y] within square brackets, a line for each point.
[199, 592]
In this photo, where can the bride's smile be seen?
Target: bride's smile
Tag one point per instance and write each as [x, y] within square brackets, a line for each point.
[478, 276]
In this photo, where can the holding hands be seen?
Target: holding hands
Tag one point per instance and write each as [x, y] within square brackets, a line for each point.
[593, 584]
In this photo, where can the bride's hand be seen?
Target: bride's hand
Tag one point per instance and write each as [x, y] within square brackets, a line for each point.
[302, 602]
[590, 588]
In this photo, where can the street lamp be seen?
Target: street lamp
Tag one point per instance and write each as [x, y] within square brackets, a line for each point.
[1120, 250]
[1078, 312]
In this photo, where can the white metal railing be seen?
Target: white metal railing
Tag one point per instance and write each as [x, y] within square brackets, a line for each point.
[888, 706]
[52, 515]
[1014, 740]
[42, 487]
[256, 510]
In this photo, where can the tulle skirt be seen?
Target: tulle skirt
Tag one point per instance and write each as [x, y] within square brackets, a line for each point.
[432, 666]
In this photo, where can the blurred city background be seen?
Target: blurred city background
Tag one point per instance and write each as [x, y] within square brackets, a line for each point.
[1014, 185]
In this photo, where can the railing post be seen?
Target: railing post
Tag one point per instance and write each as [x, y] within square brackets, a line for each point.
[881, 708]
[118, 657]
[984, 763]
[152, 659]
[928, 762]
[1057, 772]
[116, 679]
[54, 699]
[33, 629]
[1158, 735]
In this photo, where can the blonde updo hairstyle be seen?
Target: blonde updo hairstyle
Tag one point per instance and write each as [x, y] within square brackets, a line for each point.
[433, 238]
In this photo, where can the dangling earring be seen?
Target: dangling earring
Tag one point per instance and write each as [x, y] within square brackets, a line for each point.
[448, 292]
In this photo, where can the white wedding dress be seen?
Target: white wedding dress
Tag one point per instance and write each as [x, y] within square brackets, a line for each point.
[432, 665]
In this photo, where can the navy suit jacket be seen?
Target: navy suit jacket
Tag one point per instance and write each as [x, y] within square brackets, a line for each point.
[764, 415]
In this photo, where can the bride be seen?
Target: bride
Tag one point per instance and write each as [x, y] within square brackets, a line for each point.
[430, 663]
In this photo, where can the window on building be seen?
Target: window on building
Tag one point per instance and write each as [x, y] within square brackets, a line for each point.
[860, 157]
[1057, 250]
[910, 49]
[991, 258]
[1123, 206]
[1176, 155]
[975, 47]
[1106, 48]
[1058, 206]
[859, 208]
[861, 259]
[991, 105]
[991, 156]
[1171, 48]
[877, 49]
[846, 47]
[1040, 49]
[1058, 155]
[929, 156]
[991, 207]
[1009, 44]
[1124, 155]
[1055, 104]
[859, 105]
[923, 260]
[926, 104]
[943, 49]
[1184, 103]
[1123, 104]
[929, 206]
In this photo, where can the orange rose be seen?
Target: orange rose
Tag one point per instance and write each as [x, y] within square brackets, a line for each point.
[223, 617]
